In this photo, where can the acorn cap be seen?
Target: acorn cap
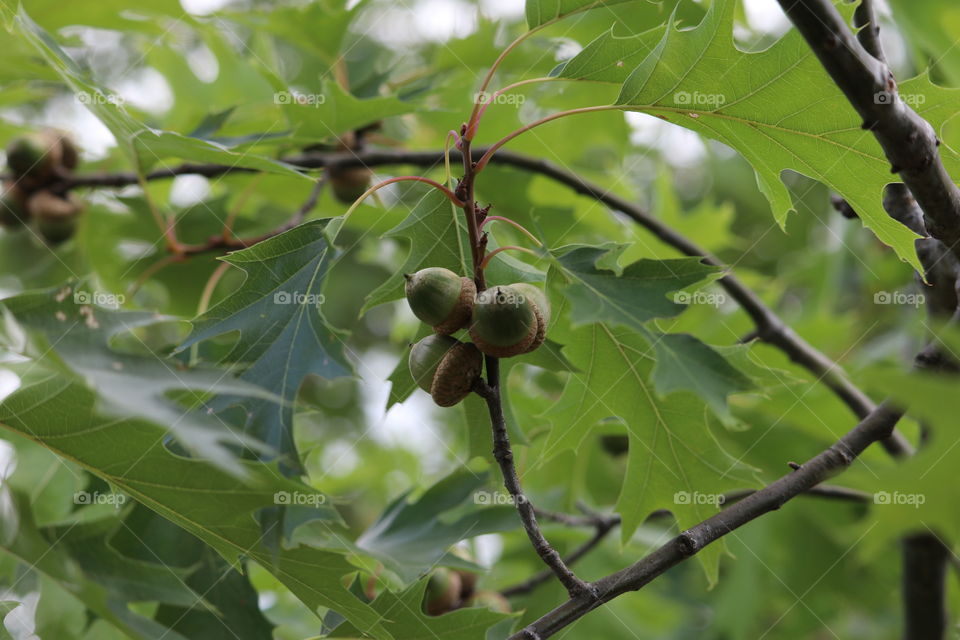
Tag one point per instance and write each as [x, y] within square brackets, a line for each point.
[455, 375]
[349, 183]
[505, 322]
[442, 593]
[425, 357]
[440, 298]
[56, 217]
[541, 308]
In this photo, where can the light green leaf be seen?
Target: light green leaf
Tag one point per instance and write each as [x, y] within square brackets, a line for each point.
[542, 12]
[674, 461]
[778, 108]
[404, 617]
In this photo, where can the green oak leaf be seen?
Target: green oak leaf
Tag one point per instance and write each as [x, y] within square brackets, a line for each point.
[686, 363]
[776, 107]
[60, 413]
[20, 538]
[674, 461]
[411, 537]
[597, 293]
[543, 12]
[283, 333]
[76, 335]
[404, 617]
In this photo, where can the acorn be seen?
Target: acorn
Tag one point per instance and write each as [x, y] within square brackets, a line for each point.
[506, 322]
[68, 153]
[349, 183]
[468, 579]
[445, 367]
[33, 158]
[541, 305]
[13, 206]
[491, 600]
[56, 216]
[443, 592]
[440, 298]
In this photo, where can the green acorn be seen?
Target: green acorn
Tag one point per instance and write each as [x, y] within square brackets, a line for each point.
[13, 209]
[33, 158]
[349, 183]
[443, 592]
[445, 367]
[440, 298]
[506, 322]
[56, 216]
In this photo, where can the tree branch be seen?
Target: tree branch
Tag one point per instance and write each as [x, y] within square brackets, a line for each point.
[769, 326]
[925, 560]
[874, 427]
[908, 141]
[503, 454]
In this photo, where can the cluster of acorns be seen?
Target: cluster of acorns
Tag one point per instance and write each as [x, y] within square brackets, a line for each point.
[503, 321]
[37, 162]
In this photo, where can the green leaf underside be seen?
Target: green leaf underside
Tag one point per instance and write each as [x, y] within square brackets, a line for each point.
[410, 538]
[79, 334]
[60, 414]
[283, 334]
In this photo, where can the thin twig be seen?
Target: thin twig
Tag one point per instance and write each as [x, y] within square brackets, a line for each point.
[838, 457]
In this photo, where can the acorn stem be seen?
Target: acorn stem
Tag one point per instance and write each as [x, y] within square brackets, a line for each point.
[509, 247]
[515, 224]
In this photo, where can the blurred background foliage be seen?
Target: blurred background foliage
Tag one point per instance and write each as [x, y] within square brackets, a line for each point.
[210, 70]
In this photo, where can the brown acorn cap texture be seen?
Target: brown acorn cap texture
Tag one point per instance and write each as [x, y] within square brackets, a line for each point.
[456, 374]
[525, 341]
[459, 317]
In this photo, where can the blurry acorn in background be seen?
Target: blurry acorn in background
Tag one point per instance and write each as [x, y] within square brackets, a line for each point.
[55, 216]
[440, 298]
[442, 593]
